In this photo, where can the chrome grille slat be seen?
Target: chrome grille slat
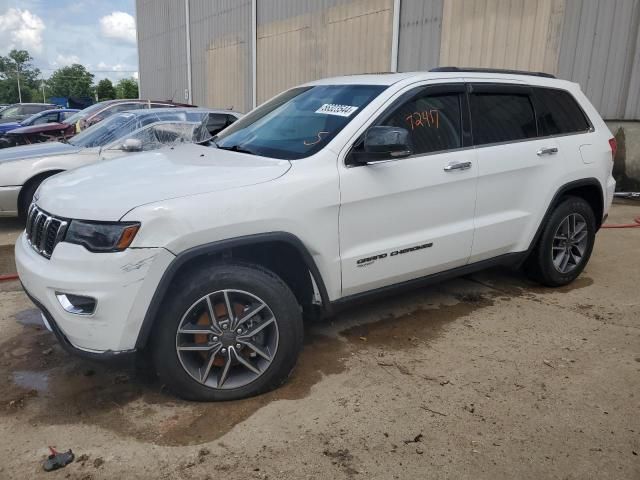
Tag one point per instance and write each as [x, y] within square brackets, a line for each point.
[44, 231]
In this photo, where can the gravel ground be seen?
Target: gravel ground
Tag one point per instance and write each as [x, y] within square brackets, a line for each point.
[487, 376]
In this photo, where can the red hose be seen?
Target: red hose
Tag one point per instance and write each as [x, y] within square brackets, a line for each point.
[10, 276]
[636, 224]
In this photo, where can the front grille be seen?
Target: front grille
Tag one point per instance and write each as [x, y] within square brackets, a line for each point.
[44, 231]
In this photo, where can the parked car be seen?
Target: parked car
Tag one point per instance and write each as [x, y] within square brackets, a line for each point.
[41, 127]
[23, 168]
[339, 190]
[99, 111]
[20, 111]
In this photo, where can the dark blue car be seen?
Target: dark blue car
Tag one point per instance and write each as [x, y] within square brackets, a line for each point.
[58, 115]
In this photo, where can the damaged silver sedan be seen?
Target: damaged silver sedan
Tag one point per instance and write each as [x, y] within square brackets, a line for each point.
[24, 168]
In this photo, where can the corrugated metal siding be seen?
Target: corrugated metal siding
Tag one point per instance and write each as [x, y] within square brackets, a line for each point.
[303, 41]
[599, 50]
[221, 53]
[517, 34]
[419, 37]
[162, 49]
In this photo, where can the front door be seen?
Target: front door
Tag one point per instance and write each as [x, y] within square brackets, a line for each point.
[406, 218]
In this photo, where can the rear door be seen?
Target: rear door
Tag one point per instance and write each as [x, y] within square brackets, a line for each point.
[406, 218]
[515, 168]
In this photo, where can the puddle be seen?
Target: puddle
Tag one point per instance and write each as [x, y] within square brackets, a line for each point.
[37, 381]
[30, 318]
[51, 387]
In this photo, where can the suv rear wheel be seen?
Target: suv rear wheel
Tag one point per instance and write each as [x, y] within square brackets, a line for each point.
[565, 245]
[227, 332]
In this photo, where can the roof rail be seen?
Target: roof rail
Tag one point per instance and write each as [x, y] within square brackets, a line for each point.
[491, 70]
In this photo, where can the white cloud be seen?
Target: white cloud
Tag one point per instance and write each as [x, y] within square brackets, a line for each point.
[21, 29]
[119, 26]
[64, 60]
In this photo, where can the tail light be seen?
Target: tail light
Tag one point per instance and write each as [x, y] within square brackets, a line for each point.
[613, 143]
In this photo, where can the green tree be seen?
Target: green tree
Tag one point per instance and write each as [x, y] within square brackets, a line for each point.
[71, 81]
[127, 88]
[18, 63]
[105, 90]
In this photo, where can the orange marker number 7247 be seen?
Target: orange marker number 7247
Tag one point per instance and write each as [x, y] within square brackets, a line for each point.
[426, 118]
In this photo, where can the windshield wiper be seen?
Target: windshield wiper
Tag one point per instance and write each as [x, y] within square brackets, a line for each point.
[235, 148]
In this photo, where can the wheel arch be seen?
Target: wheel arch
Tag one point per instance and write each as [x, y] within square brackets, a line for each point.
[265, 249]
[588, 189]
[37, 178]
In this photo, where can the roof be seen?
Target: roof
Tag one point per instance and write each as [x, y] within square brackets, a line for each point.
[532, 78]
[150, 111]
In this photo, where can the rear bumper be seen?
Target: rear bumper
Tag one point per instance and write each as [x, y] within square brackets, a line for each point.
[9, 200]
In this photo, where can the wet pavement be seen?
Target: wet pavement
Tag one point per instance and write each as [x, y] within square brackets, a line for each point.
[487, 376]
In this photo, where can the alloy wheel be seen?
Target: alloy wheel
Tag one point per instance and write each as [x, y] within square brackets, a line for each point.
[569, 243]
[227, 339]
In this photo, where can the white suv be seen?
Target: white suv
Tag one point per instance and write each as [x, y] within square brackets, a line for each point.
[208, 257]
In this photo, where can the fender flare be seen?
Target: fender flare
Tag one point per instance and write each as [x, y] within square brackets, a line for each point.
[584, 182]
[219, 247]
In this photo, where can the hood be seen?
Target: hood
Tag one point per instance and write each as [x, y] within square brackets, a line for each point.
[109, 189]
[36, 150]
[5, 127]
[43, 127]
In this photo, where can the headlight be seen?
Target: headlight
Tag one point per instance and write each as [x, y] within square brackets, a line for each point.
[102, 236]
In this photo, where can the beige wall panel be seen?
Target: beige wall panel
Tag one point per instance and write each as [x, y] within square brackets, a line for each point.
[345, 39]
[226, 75]
[517, 34]
[285, 55]
[359, 37]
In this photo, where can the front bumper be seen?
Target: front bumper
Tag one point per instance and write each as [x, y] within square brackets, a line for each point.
[123, 284]
[9, 201]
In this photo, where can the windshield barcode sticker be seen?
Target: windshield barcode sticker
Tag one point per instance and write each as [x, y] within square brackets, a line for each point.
[334, 109]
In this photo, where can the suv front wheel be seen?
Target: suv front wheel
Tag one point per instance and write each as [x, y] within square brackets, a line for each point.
[565, 244]
[227, 331]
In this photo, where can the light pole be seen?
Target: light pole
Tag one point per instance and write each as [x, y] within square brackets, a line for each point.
[18, 75]
[44, 100]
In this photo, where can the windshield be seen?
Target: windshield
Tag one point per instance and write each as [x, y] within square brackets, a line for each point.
[299, 122]
[9, 112]
[29, 120]
[120, 125]
[83, 113]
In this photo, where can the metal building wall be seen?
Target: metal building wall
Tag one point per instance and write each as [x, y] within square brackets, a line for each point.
[221, 53]
[303, 40]
[516, 34]
[600, 49]
[162, 49]
[419, 35]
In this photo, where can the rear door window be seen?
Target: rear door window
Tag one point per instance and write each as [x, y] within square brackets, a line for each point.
[501, 116]
[559, 113]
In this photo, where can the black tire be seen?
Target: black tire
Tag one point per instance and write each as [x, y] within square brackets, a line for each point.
[203, 281]
[26, 197]
[540, 265]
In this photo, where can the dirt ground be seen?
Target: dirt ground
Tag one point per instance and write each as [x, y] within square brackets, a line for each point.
[485, 377]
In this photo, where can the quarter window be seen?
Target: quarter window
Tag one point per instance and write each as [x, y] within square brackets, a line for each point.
[498, 117]
[433, 121]
[559, 113]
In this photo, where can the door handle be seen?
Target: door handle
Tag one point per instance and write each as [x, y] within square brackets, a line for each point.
[457, 166]
[547, 151]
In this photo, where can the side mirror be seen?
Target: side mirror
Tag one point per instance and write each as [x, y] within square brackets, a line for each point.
[132, 145]
[383, 143]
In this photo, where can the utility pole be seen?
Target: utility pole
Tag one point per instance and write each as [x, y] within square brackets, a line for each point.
[18, 74]
[44, 100]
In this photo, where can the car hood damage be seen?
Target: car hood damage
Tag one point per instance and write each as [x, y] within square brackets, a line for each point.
[108, 190]
[46, 149]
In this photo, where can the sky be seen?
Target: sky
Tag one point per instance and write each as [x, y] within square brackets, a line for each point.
[99, 34]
